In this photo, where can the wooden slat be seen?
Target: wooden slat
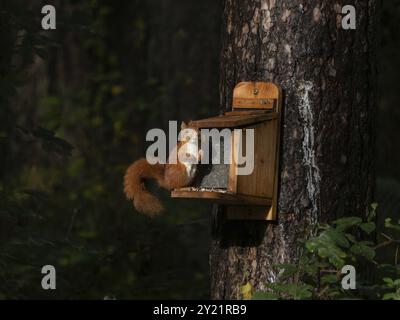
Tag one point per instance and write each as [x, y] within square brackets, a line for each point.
[232, 121]
[261, 181]
[255, 95]
[232, 176]
[243, 112]
[221, 197]
[253, 103]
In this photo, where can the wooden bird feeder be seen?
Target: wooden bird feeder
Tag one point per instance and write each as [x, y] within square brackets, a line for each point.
[256, 105]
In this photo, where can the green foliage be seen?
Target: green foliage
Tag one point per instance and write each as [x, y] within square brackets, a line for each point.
[317, 274]
[394, 285]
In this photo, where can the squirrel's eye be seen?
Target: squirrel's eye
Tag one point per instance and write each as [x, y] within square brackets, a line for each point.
[187, 154]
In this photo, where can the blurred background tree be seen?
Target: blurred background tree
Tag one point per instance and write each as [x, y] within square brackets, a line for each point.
[75, 105]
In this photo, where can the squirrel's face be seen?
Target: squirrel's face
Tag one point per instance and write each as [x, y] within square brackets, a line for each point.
[188, 148]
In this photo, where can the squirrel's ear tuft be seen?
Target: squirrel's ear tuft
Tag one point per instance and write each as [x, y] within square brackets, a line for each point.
[183, 125]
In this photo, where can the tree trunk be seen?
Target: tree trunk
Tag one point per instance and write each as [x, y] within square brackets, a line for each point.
[327, 76]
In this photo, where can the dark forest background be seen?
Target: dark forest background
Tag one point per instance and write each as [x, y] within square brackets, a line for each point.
[75, 105]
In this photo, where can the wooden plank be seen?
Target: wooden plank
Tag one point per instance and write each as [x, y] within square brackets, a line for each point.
[232, 121]
[243, 112]
[221, 197]
[255, 95]
[232, 176]
[253, 103]
[261, 181]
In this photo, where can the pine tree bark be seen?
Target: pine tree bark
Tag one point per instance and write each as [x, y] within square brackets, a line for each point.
[327, 169]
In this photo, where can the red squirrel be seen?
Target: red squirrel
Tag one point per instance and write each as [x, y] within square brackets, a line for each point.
[168, 176]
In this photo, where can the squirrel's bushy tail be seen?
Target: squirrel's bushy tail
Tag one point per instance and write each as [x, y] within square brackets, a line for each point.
[135, 189]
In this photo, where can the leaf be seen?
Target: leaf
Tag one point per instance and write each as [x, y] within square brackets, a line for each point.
[338, 237]
[391, 296]
[388, 281]
[397, 282]
[295, 291]
[387, 268]
[246, 291]
[331, 250]
[323, 252]
[367, 243]
[389, 225]
[363, 250]
[345, 223]
[337, 261]
[303, 292]
[351, 238]
[260, 295]
[287, 270]
[367, 227]
[329, 279]
[311, 245]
